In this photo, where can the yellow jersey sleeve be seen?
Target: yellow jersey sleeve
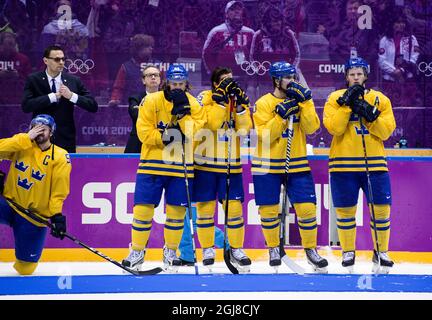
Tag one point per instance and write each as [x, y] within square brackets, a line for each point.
[190, 124]
[18, 142]
[147, 132]
[60, 183]
[309, 120]
[336, 118]
[268, 122]
[385, 124]
[243, 122]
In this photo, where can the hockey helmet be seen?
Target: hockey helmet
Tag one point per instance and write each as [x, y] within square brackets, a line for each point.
[357, 63]
[281, 69]
[177, 72]
[44, 119]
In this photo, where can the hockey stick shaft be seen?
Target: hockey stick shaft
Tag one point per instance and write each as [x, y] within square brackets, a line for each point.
[189, 203]
[370, 193]
[227, 186]
[284, 257]
[39, 219]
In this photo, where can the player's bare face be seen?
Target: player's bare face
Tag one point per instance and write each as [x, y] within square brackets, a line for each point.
[177, 85]
[285, 81]
[356, 76]
[225, 76]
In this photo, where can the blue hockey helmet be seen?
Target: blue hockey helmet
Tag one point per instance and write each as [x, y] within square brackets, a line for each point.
[44, 119]
[282, 69]
[177, 72]
[357, 63]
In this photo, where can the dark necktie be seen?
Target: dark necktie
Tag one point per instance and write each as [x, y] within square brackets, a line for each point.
[53, 87]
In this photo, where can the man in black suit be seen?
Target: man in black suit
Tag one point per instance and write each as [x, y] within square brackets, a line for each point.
[56, 93]
[151, 80]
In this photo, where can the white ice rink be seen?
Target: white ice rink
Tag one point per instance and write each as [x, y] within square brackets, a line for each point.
[261, 267]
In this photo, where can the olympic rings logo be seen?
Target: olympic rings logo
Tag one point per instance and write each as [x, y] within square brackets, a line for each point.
[78, 65]
[255, 67]
[425, 68]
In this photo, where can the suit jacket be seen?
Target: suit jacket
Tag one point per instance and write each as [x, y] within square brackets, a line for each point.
[134, 144]
[36, 100]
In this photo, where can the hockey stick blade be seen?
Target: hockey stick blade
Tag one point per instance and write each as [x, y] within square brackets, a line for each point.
[228, 263]
[149, 272]
[78, 242]
[291, 264]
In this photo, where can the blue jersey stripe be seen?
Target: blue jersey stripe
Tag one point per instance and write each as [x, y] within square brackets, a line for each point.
[173, 228]
[165, 169]
[346, 227]
[278, 160]
[308, 228]
[355, 159]
[370, 165]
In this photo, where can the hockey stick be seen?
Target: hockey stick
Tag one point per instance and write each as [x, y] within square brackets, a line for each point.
[39, 219]
[370, 193]
[289, 262]
[189, 207]
[227, 187]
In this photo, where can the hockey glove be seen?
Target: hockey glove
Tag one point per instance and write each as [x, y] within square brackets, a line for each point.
[242, 99]
[172, 134]
[287, 108]
[180, 101]
[223, 90]
[2, 181]
[58, 225]
[298, 92]
[350, 95]
[365, 110]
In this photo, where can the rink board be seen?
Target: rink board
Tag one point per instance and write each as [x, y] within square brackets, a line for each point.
[214, 283]
[99, 207]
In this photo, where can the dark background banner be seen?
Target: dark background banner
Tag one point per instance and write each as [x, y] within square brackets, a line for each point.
[107, 43]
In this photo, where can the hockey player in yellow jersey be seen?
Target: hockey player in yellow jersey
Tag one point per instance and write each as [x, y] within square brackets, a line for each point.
[38, 180]
[351, 115]
[273, 110]
[167, 122]
[211, 156]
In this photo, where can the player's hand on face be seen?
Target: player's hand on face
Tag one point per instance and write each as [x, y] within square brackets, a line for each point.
[35, 131]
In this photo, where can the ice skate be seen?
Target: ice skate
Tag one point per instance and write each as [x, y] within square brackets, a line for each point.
[318, 263]
[209, 257]
[170, 260]
[275, 259]
[239, 259]
[348, 260]
[385, 263]
[135, 259]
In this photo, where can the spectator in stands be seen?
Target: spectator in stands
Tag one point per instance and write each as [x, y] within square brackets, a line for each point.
[348, 40]
[128, 77]
[398, 54]
[14, 68]
[71, 35]
[274, 41]
[229, 43]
